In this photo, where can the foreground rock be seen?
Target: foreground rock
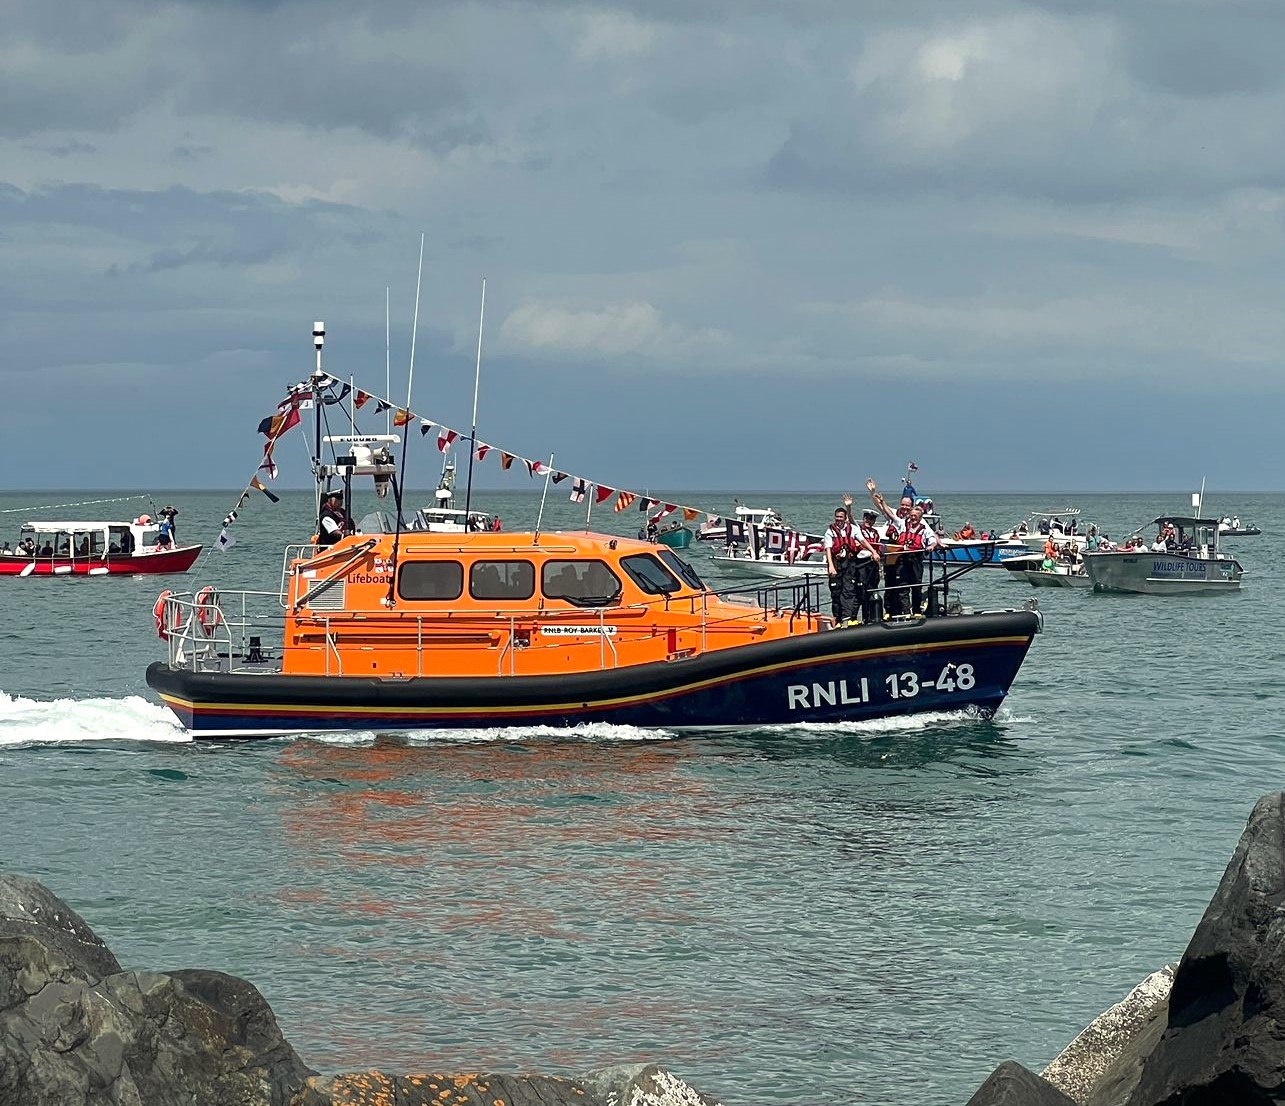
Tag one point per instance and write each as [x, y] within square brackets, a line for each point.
[1218, 1037]
[75, 1030]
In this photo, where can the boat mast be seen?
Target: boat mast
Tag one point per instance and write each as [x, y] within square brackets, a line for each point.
[398, 487]
[318, 378]
[477, 380]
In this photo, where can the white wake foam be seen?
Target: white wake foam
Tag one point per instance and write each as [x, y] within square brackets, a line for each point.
[592, 732]
[54, 721]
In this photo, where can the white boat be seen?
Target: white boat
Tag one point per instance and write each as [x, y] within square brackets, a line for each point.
[1059, 576]
[1202, 570]
[773, 551]
[443, 517]
[716, 528]
[1061, 524]
[1229, 526]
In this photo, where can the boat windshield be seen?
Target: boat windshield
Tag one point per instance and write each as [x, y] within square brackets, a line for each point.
[649, 574]
[681, 569]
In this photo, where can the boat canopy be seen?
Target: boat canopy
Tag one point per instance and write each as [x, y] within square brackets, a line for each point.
[1185, 523]
[64, 527]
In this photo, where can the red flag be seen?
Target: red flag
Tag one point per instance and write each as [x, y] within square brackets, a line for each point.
[603, 494]
[445, 438]
[482, 450]
[624, 499]
[506, 460]
[361, 399]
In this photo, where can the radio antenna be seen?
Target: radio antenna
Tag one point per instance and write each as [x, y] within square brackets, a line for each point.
[477, 380]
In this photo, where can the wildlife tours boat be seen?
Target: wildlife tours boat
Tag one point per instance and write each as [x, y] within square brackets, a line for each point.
[1189, 563]
[414, 630]
[141, 546]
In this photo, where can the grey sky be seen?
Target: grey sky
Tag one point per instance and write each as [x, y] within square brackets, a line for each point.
[727, 243]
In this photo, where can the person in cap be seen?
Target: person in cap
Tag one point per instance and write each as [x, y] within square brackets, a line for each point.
[333, 520]
[868, 567]
[843, 543]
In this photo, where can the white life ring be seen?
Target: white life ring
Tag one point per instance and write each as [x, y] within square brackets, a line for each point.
[207, 610]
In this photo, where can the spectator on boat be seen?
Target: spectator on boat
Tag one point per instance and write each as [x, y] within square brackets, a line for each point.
[333, 519]
[1050, 549]
[168, 513]
[46, 550]
[842, 542]
[916, 540]
[5, 550]
[967, 533]
[165, 533]
[27, 547]
[127, 542]
[894, 598]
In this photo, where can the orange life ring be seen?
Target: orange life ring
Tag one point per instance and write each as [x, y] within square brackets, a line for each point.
[164, 629]
[207, 610]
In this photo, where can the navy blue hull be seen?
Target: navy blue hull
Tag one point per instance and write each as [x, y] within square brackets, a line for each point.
[868, 672]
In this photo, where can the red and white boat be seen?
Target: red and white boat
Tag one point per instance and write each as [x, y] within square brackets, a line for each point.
[94, 549]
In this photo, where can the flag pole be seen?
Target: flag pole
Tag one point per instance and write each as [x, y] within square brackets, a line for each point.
[544, 495]
[472, 442]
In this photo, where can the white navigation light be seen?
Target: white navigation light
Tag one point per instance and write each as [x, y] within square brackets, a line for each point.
[319, 334]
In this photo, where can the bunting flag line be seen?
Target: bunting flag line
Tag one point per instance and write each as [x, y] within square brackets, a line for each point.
[381, 406]
[645, 504]
[425, 426]
[226, 539]
[269, 465]
[361, 399]
[482, 450]
[340, 396]
[446, 438]
[603, 493]
[530, 466]
[624, 499]
[579, 489]
[690, 513]
[665, 509]
[538, 468]
[402, 417]
[506, 460]
[259, 486]
[558, 477]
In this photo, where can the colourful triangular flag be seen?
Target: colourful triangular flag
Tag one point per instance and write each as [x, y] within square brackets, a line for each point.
[506, 460]
[361, 398]
[425, 426]
[624, 499]
[482, 450]
[446, 438]
[579, 489]
[402, 417]
[603, 493]
[690, 513]
[558, 477]
[258, 485]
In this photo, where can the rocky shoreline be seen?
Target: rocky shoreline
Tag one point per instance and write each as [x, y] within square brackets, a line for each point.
[77, 1029]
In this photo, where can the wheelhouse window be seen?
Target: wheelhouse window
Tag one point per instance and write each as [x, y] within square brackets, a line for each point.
[509, 581]
[584, 583]
[681, 569]
[430, 580]
[649, 574]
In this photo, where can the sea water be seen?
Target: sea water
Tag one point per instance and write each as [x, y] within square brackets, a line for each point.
[864, 913]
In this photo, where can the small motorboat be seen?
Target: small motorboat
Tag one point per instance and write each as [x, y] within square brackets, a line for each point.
[75, 548]
[1231, 527]
[676, 536]
[715, 529]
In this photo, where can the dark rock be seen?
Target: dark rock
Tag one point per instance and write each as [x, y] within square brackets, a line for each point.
[1223, 1042]
[631, 1086]
[1010, 1084]
[75, 1029]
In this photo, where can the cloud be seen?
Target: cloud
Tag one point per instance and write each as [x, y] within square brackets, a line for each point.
[612, 330]
[605, 35]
